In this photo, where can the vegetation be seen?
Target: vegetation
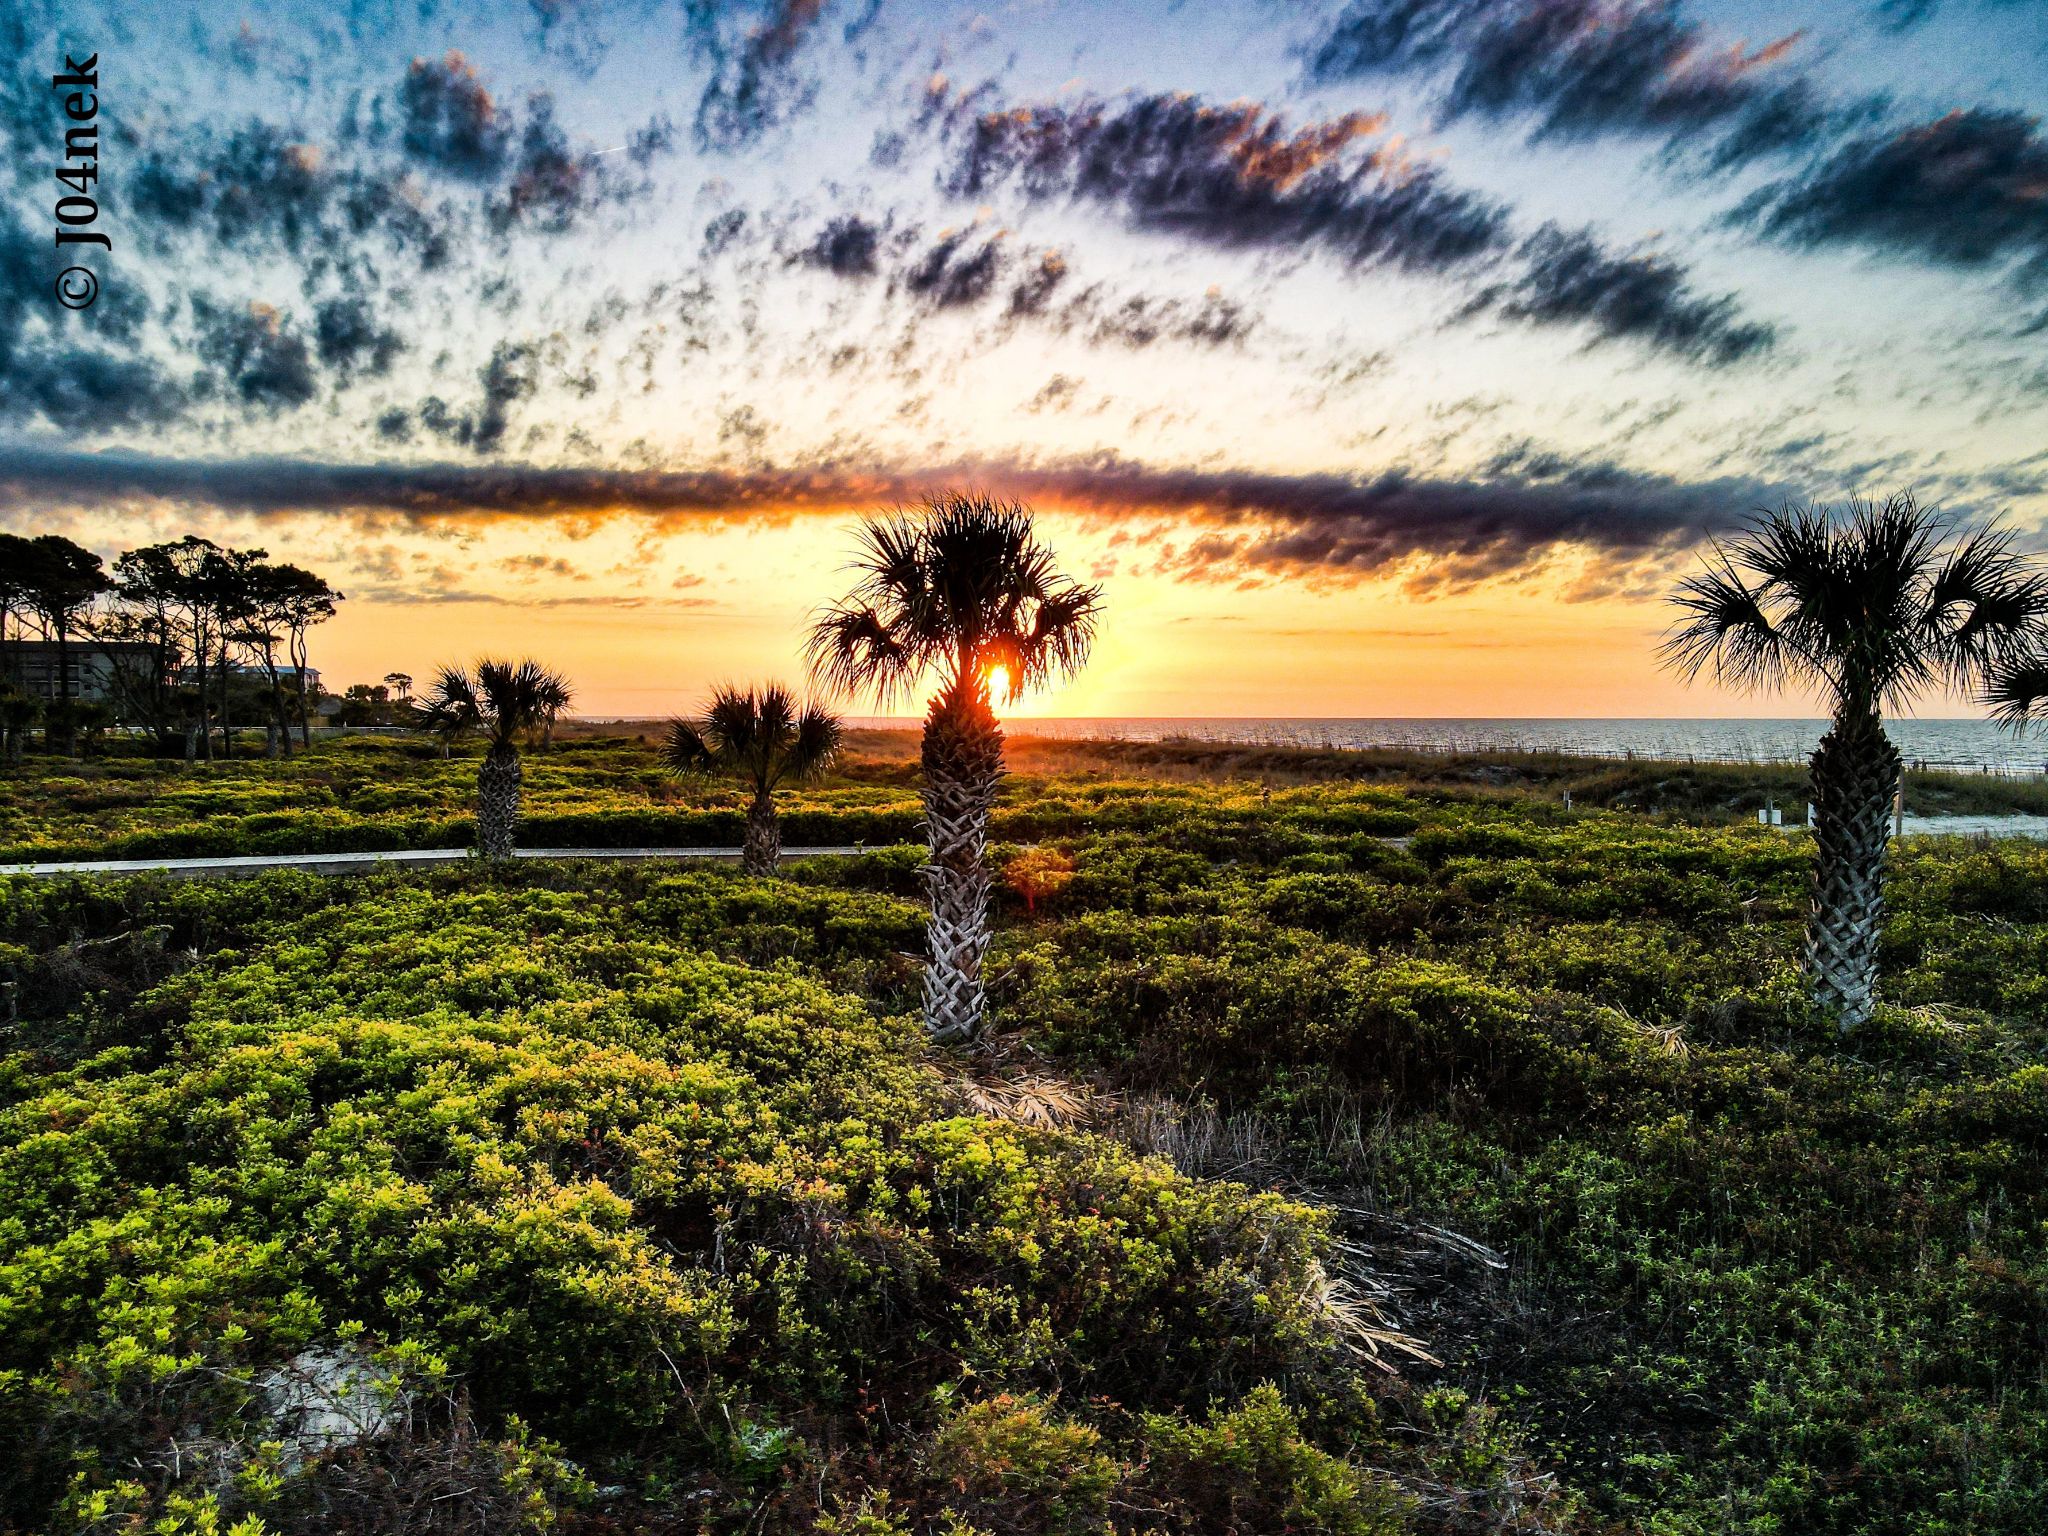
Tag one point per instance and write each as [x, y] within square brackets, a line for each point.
[765, 738]
[965, 592]
[180, 627]
[634, 1199]
[505, 702]
[1874, 610]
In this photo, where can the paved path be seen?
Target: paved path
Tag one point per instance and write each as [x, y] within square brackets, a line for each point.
[345, 863]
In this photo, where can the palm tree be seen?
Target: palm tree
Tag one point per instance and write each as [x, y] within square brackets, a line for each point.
[506, 701]
[960, 590]
[1873, 609]
[765, 738]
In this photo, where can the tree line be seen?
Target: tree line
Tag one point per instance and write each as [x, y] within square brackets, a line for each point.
[163, 613]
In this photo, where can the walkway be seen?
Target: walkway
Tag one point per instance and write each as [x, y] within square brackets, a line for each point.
[349, 863]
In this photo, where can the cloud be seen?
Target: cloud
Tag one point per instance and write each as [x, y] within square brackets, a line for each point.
[511, 375]
[448, 119]
[1330, 527]
[1569, 278]
[754, 86]
[49, 370]
[960, 269]
[1966, 190]
[1905, 15]
[1583, 69]
[1239, 176]
[86, 389]
[847, 246]
[1234, 176]
[1138, 320]
[350, 339]
[257, 352]
[956, 270]
[1056, 394]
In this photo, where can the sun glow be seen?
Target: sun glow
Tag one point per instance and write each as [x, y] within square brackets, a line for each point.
[999, 683]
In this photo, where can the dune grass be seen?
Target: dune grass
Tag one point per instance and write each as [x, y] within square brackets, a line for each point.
[640, 1189]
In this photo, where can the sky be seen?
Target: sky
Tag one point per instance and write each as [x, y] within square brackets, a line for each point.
[1380, 358]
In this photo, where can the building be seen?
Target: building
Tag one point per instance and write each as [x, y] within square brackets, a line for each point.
[241, 672]
[33, 666]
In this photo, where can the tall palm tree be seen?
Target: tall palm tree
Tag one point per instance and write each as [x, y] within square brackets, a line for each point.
[766, 738]
[506, 701]
[962, 591]
[1872, 609]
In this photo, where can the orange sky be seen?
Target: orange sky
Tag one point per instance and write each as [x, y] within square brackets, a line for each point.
[636, 643]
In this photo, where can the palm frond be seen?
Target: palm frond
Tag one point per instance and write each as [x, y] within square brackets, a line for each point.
[853, 651]
[763, 735]
[1985, 600]
[960, 586]
[449, 707]
[1877, 605]
[1728, 628]
[2016, 690]
[818, 737]
[685, 752]
[502, 698]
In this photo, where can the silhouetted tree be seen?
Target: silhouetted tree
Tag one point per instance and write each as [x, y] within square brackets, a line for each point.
[765, 738]
[62, 581]
[507, 701]
[1872, 609]
[955, 591]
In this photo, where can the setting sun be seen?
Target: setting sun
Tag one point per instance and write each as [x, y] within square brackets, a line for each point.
[999, 684]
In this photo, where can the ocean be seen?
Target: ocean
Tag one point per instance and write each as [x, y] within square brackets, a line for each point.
[1971, 746]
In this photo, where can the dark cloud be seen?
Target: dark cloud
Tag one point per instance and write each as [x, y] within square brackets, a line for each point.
[847, 246]
[257, 186]
[962, 269]
[448, 119]
[346, 203]
[1234, 176]
[1031, 292]
[1056, 394]
[1569, 278]
[1967, 190]
[754, 84]
[78, 388]
[1138, 320]
[1238, 176]
[54, 364]
[956, 269]
[1237, 523]
[350, 338]
[511, 375]
[550, 185]
[1905, 15]
[1583, 69]
[419, 179]
[256, 354]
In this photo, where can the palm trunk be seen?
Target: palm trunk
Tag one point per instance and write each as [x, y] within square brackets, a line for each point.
[66, 700]
[963, 763]
[497, 800]
[763, 848]
[1855, 772]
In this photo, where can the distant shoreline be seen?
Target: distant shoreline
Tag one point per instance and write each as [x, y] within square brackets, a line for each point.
[1955, 745]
